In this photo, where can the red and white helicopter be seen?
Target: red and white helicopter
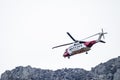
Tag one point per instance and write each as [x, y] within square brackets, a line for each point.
[81, 46]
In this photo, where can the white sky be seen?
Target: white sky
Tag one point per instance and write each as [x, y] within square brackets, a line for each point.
[30, 28]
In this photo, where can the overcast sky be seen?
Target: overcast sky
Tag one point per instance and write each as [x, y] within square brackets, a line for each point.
[30, 28]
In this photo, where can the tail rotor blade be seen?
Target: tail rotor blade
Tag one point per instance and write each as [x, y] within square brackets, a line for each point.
[102, 30]
[103, 33]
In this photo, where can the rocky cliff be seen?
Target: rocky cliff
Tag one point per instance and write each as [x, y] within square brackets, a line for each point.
[109, 70]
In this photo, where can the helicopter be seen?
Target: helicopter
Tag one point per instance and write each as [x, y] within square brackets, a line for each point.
[80, 46]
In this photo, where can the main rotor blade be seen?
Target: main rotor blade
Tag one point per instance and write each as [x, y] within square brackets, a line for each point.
[90, 36]
[62, 45]
[71, 36]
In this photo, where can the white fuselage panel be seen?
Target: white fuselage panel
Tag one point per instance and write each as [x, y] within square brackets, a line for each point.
[76, 46]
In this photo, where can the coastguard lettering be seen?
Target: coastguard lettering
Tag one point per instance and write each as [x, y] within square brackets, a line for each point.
[76, 47]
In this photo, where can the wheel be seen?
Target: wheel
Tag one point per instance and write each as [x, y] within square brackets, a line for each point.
[86, 52]
[68, 57]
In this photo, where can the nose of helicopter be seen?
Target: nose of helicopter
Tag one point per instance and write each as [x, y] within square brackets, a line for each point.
[66, 54]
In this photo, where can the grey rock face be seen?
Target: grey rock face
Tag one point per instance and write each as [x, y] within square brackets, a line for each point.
[109, 70]
[117, 75]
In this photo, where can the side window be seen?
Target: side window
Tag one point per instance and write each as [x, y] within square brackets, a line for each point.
[81, 45]
[75, 44]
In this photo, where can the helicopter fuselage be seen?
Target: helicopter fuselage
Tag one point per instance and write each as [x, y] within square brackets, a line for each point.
[78, 48]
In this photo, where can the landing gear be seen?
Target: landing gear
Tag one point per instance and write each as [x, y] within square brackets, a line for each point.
[68, 57]
[86, 52]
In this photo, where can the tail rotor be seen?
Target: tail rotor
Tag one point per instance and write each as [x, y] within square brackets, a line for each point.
[103, 33]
